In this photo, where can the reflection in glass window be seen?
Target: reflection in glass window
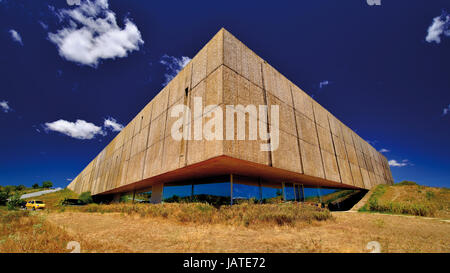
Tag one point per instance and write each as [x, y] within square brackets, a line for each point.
[173, 193]
[242, 192]
[216, 194]
[289, 192]
[271, 195]
[311, 195]
[143, 197]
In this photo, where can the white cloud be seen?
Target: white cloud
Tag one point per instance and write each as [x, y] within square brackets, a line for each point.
[43, 25]
[440, 25]
[394, 163]
[323, 83]
[446, 110]
[79, 129]
[16, 36]
[173, 66]
[4, 106]
[93, 34]
[384, 150]
[113, 124]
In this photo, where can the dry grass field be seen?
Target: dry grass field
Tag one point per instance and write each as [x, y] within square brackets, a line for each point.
[346, 232]
[288, 227]
[31, 232]
[41, 231]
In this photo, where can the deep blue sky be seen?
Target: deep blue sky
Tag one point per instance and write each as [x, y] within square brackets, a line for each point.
[386, 81]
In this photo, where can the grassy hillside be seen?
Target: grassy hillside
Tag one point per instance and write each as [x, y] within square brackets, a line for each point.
[410, 198]
[54, 199]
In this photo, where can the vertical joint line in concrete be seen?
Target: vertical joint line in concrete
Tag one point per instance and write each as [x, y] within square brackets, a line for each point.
[359, 167]
[146, 142]
[348, 158]
[188, 100]
[334, 148]
[268, 121]
[296, 129]
[165, 127]
[318, 142]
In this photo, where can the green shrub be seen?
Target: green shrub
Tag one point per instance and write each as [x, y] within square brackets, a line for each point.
[86, 197]
[14, 201]
[406, 183]
[47, 184]
[4, 195]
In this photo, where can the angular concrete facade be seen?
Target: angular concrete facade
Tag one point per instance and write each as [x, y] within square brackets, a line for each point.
[315, 148]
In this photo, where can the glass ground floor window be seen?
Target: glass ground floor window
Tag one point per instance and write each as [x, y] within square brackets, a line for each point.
[143, 197]
[221, 191]
[215, 193]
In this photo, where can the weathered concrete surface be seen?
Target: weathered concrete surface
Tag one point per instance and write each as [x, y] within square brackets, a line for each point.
[315, 147]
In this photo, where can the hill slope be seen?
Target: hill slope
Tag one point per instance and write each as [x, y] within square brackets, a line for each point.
[410, 199]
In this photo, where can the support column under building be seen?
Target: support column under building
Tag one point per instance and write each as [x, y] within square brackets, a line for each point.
[157, 193]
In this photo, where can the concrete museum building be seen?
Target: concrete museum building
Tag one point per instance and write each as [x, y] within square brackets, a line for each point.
[229, 124]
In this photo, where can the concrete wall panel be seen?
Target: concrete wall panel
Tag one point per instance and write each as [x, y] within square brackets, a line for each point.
[351, 153]
[335, 126]
[339, 147]
[311, 159]
[286, 116]
[347, 133]
[344, 169]
[157, 128]
[287, 156]
[302, 102]
[325, 141]
[242, 60]
[215, 52]
[365, 178]
[356, 174]
[321, 115]
[277, 85]
[330, 166]
[214, 88]
[306, 129]
[160, 104]
[230, 86]
[139, 141]
[199, 66]
[171, 154]
[153, 157]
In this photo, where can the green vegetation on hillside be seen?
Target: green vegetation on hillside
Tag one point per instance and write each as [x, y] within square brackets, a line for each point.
[409, 198]
[406, 183]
